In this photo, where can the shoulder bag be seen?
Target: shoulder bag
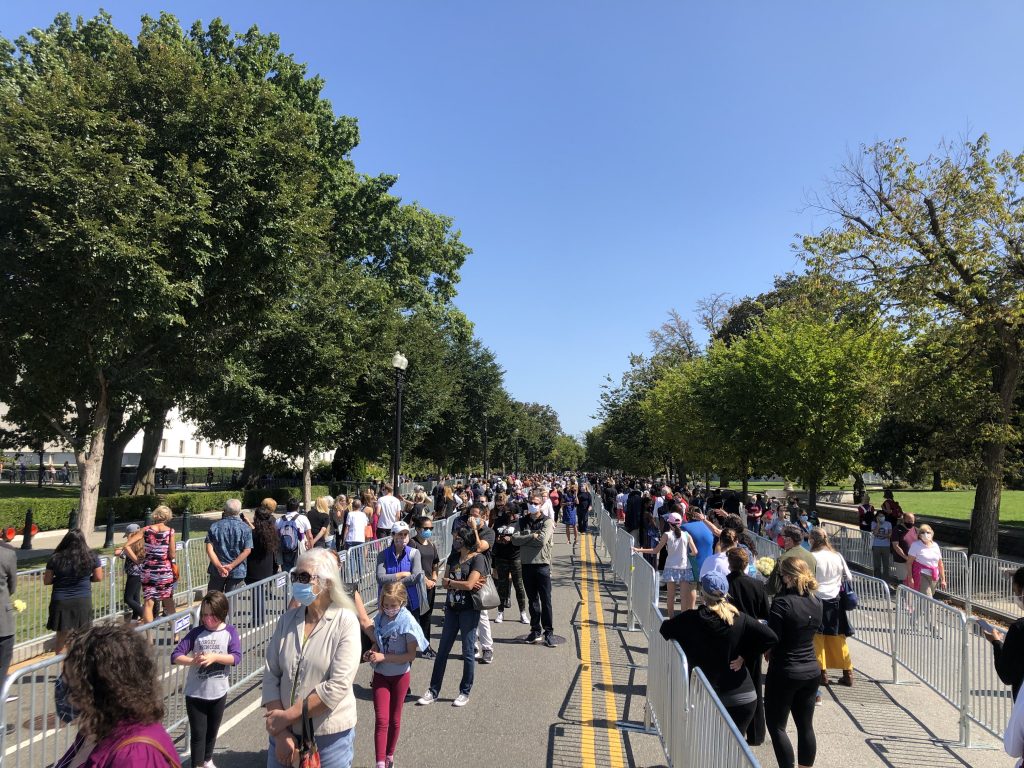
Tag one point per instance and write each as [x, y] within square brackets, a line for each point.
[309, 755]
[847, 595]
[486, 598]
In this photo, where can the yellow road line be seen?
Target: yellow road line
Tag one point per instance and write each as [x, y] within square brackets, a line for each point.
[615, 746]
[586, 682]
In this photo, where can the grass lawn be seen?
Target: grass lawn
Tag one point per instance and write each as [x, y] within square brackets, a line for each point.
[956, 505]
[32, 491]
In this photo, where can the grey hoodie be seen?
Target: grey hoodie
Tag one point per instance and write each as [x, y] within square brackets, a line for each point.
[535, 551]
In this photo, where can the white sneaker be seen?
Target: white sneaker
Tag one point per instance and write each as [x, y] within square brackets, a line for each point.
[524, 617]
[499, 618]
[461, 700]
[426, 698]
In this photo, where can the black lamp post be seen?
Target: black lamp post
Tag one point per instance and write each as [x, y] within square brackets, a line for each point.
[399, 363]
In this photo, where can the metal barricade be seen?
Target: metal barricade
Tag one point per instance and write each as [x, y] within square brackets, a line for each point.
[857, 544]
[360, 568]
[30, 625]
[991, 585]
[958, 574]
[642, 594]
[873, 619]
[989, 700]
[668, 676]
[32, 735]
[194, 568]
[930, 641]
[712, 739]
[766, 547]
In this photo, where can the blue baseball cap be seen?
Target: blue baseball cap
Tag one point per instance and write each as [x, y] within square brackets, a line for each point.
[715, 583]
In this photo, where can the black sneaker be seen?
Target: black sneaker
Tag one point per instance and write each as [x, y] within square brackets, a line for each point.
[487, 657]
[533, 637]
[549, 641]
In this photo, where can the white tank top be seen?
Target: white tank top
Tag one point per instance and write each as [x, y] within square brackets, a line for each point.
[677, 550]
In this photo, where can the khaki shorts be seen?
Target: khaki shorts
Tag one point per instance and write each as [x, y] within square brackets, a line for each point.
[901, 571]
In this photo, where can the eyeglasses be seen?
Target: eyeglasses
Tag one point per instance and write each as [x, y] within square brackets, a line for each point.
[298, 577]
[427, 528]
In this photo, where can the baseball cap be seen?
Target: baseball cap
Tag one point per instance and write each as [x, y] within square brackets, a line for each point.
[399, 527]
[715, 584]
[130, 529]
[674, 518]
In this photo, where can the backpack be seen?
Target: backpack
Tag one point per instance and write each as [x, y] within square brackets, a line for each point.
[289, 533]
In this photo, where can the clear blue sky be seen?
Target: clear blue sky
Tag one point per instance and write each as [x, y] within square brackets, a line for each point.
[610, 161]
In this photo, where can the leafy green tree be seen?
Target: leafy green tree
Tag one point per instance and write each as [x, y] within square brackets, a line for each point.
[942, 241]
[567, 453]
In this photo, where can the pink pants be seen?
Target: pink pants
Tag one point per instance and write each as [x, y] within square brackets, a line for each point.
[388, 696]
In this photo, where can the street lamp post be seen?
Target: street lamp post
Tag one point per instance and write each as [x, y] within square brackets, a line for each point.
[399, 363]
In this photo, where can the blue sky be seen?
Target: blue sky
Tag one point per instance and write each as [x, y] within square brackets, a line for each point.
[608, 161]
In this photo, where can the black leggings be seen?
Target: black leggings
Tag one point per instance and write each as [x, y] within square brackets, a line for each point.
[204, 716]
[133, 595]
[742, 714]
[782, 695]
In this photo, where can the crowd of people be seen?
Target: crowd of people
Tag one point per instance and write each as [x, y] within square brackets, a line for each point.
[731, 617]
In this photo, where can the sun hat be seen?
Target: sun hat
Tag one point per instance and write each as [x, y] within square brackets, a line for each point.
[399, 527]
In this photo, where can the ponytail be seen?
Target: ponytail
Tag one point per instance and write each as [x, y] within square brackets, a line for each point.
[799, 574]
[721, 607]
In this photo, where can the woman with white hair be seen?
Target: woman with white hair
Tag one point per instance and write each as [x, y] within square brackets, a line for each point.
[312, 659]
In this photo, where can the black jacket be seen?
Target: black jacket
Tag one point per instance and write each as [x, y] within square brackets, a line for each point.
[749, 595]
[1009, 656]
[634, 510]
[795, 619]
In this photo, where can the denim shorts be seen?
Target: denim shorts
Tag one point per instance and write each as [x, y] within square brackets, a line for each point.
[676, 575]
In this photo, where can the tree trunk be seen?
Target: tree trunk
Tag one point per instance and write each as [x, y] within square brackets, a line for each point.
[746, 486]
[254, 446]
[1006, 369]
[937, 480]
[307, 483]
[152, 433]
[89, 459]
[812, 495]
[113, 454]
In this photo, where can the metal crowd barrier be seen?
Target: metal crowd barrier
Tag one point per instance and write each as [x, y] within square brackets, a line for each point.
[32, 735]
[643, 592]
[991, 581]
[989, 700]
[668, 695]
[873, 619]
[711, 738]
[766, 547]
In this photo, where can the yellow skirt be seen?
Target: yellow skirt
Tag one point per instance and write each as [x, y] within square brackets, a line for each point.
[832, 652]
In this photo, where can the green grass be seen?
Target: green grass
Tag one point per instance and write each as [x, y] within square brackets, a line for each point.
[956, 505]
[32, 491]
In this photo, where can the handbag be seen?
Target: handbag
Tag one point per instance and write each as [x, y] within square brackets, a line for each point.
[309, 755]
[486, 598]
[847, 596]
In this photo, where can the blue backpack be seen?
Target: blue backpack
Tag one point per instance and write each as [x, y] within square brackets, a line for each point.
[289, 533]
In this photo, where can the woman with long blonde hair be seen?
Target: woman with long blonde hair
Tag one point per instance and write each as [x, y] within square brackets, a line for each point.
[791, 684]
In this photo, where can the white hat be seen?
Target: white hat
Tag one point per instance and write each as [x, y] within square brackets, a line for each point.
[399, 527]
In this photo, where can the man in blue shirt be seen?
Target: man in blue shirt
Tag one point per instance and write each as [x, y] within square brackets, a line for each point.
[228, 544]
[704, 539]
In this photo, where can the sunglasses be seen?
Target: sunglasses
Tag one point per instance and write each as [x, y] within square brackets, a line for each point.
[298, 577]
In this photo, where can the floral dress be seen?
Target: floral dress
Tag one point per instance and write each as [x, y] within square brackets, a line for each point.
[157, 577]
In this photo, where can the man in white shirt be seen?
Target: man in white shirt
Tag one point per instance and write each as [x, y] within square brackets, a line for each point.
[389, 512]
[294, 531]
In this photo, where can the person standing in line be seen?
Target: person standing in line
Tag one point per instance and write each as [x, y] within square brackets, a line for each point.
[157, 561]
[925, 568]
[400, 562]
[791, 684]
[830, 646]
[569, 501]
[903, 536]
[356, 523]
[71, 571]
[397, 638]
[585, 501]
[476, 522]
[536, 531]
[750, 597]
[228, 545]
[465, 571]
[702, 533]
[508, 565]
[881, 546]
[1008, 647]
[865, 514]
[429, 558]
[389, 512]
[132, 573]
[792, 538]
[678, 545]
[320, 521]
[339, 512]
[208, 650]
[8, 583]
[293, 529]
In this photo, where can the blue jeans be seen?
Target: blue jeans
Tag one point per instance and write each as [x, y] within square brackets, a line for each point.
[455, 622]
[337, 750]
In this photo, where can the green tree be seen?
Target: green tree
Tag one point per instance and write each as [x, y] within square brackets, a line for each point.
[942, 241]
[567, 453]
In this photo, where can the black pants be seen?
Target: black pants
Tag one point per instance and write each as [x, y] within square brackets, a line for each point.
[424, 617]
[582, 520]
[742, 714]
[756, 730]
[537, 580]
[509, 573]
[204, 716]
[223, 584]
[6, 654]
[133, 595]
[781, 696]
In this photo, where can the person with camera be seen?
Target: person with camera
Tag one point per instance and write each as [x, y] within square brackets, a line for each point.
[534, 539]
[508, 566]
[474, 520]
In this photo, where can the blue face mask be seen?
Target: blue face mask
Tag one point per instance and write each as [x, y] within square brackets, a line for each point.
[303, 593]
[426, 534]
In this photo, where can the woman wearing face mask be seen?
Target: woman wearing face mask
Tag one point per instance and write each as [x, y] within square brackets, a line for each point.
[400, 562]
[924, 563]
[429, 556]
[461, 617]
[312, 660]
[208, 650]
[881, 546]
[397, 637]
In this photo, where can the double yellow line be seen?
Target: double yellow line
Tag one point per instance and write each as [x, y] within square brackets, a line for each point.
[588, 747]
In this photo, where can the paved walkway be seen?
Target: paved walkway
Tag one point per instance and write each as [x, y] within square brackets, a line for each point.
[536, 706]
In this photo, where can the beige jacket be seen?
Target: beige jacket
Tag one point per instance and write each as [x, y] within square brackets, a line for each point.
[327, 664]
